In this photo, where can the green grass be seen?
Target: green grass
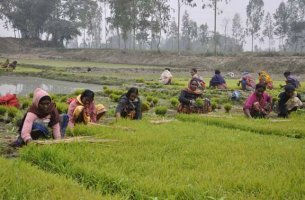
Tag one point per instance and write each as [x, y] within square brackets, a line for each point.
[293, 127]
[180, 160]
[19, 180]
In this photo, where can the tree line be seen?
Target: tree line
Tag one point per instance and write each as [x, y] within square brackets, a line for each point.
[149, 24]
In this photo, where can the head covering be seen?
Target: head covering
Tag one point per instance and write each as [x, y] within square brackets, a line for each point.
[289, 88]
[197, 91]
[38, 95]
[100, 108]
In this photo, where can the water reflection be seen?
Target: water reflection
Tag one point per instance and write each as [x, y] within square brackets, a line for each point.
[25, 85]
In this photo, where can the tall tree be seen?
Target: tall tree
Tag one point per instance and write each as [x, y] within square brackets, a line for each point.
[28, 16]
[161, 14]
[120, 19]
[203, 35]
[238, 32]
[225, 25]
[269, 29]
[255, 14]
[180, 4]
[173, 32]
[281, 17]
[214, 5]
[189, 30]
[296, 24]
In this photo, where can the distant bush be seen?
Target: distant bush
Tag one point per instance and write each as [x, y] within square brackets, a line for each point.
[105, 88]
[161, 110]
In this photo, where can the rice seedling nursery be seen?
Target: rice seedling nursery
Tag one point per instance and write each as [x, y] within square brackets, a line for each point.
[166, 155]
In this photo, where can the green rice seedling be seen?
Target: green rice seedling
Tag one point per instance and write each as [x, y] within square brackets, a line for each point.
[12, 111]
[20, 180]
[161, 110]
[155, 101]
[78, 91]
[2, 110]
[174, 102]
[149, 99]
[108, 91]
[214, 106]
[168, 161]
[260, 126]
[199, 102]
[31, 95]
[105, 88]
[63, 99]
[62, 107]
[118, 92]
[145, 106]
[114, 97]
[140, 80]
[227, 107]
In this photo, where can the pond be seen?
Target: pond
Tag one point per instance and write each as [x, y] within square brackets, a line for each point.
[25, 85]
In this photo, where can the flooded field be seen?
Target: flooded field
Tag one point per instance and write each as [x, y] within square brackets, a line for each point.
[24, 85]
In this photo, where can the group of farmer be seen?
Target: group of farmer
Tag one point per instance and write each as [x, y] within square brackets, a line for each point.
[9, 65]
[258, 104]
[43, 114]
[42, 117]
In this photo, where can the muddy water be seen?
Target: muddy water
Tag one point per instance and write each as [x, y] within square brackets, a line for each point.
[26, 85]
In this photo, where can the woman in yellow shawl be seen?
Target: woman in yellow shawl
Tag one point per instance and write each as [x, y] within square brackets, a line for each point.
[265, 79]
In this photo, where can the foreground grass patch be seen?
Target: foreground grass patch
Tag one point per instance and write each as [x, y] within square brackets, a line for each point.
[22, 181]
[180, 160]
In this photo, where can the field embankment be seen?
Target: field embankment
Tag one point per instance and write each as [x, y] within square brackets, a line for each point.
[275, 63]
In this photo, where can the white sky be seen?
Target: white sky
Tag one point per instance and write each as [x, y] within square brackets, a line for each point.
[206, 15]
[202, 16]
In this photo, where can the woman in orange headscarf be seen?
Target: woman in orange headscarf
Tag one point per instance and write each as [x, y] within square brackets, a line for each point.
[188, 99]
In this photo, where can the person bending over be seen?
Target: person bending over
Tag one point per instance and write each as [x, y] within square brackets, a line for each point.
[258, 104]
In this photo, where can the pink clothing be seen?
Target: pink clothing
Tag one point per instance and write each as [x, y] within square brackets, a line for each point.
[253, 98]
[31, 117]
[77, 102]
[28, 123]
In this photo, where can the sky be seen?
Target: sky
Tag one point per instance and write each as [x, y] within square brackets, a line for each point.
[202, 16]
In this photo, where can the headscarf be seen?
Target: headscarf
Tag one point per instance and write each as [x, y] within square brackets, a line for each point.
[189, 90]
[38, 95]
